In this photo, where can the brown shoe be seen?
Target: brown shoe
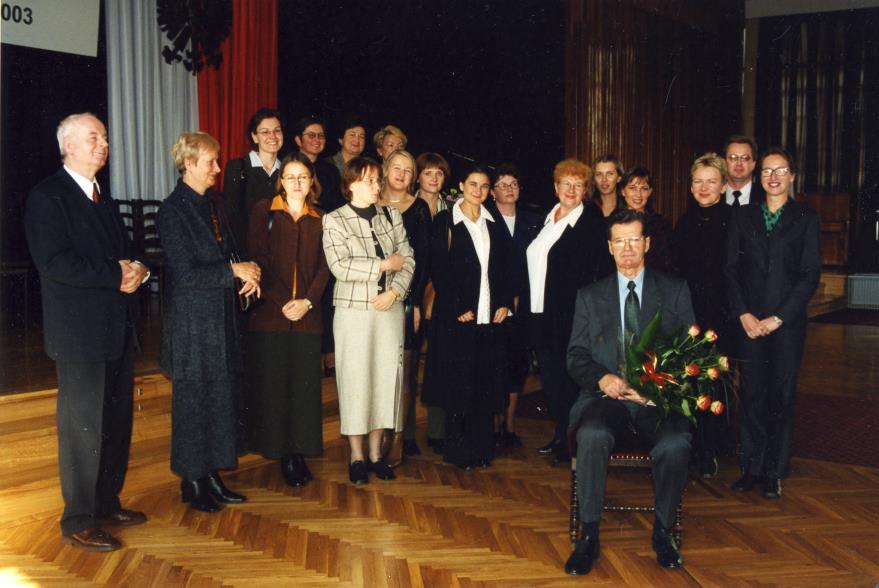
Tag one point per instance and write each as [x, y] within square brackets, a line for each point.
[93, 539]
[123, 518]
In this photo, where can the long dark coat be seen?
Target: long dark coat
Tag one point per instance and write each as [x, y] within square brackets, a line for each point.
[199, 335]
[453, 357]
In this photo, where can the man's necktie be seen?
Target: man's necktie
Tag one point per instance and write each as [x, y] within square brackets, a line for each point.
[96, 196]
[736, 195]
[631, 310]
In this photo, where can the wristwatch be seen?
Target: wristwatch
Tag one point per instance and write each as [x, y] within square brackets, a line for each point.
[308, 302]
[778, 321]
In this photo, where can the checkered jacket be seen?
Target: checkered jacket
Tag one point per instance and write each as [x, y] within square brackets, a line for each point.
[351, 255]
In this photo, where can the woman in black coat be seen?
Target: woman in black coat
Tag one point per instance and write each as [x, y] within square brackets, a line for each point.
[570, 252]
[772, 269]
[636, 187]
[199, 334]
[699, 249]
[465, 369]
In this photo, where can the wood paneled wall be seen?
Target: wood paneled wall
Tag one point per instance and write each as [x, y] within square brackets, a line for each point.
[657, 82]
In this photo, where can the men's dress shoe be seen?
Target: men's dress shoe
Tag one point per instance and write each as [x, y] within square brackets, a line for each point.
[292, 472]
[511, 439]
[196, 493]
[709, 468]
[123, 518]
[410, 447]
[746, 483]
[437, 445]
[586, 551]
[357, 472]
[666, 548]
[550, 447]
[772, 488]
[382, 470]
[219, 491]
[92, 540]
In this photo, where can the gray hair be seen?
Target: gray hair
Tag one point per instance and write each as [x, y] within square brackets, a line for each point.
[66, 126]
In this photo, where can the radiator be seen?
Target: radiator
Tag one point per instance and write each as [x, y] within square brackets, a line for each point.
[863, 291]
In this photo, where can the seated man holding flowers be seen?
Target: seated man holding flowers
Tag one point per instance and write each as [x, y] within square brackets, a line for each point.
[609, 315]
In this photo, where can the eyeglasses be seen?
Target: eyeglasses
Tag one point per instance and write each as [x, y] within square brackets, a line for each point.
[621, 242]
[576, 186]
[504, 186]
[743, 158]
[269, 132]
[297, 179]
[313, 135]
[778, 171]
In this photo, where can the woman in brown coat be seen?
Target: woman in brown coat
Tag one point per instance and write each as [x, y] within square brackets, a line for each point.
[283, 352]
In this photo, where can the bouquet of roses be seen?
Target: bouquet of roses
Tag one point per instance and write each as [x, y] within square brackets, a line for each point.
[677, 372]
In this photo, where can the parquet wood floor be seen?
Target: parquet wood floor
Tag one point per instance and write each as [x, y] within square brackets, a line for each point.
[434, 526]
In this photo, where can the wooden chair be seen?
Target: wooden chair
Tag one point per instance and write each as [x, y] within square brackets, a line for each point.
[148, 245]
[628, 453]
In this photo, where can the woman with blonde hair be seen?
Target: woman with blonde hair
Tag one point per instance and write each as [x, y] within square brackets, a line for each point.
[388, 139]
[200, 331]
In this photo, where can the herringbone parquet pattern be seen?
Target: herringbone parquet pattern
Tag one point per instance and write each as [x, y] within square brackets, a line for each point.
[433, 526]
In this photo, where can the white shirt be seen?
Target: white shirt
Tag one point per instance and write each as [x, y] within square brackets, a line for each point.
[255, 161]
[511, 223]
[482, 243]
[538, 252]
[83, 182]
[745, 197]
[623, 291]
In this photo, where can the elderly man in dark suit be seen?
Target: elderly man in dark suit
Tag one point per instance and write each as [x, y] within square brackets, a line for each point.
[80, 249]
[608, 314]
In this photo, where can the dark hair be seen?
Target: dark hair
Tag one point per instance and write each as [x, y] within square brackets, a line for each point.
[476, 168]
[430, 159]
[299, 157]
[625, 216]
[348, 122]
[641, 173]
[782, 152]
[355, 170]
[741, 139]
[306, 121]
[506, 169]
[259, 116]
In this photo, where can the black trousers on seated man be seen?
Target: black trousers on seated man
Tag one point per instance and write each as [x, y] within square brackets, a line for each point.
[605, 418]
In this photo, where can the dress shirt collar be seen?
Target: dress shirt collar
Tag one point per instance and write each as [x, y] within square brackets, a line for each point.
[255, 161]
[458, 215]
[571, 219]
[744, 198]
[83, 182]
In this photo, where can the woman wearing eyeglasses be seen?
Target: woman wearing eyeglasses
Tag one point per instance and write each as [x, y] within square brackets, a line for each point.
[368, 253]
[284, 339]
[773, 267]
[252, 178]
[569, 252]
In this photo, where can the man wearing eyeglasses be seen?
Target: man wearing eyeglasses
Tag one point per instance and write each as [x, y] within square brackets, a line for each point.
[608, 315]
[741, 159]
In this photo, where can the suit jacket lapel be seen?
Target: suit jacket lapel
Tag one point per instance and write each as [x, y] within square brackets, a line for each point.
[87, 210]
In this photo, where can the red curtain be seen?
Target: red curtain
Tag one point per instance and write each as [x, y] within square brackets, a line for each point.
[247, 79]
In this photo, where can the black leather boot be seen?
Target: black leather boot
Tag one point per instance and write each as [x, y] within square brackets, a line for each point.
[195, 492]
[219, 492]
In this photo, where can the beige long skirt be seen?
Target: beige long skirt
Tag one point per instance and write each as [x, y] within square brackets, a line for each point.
[369, 368]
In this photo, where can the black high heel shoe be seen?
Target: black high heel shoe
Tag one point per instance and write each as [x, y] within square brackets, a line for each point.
[219, 492]
[195, 492]
[295, 472]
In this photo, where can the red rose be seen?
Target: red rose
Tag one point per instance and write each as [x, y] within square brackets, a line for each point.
[713, 373]
[694, 330]
[703, 402]
[710, 336]
[692, 370]
[717, 407]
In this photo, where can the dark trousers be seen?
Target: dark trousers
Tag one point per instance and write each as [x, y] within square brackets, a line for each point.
[769, 382]
[603, 420]
[94, 413]
[561, 391]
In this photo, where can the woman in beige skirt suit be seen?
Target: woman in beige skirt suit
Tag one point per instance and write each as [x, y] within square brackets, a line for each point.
[368, 253]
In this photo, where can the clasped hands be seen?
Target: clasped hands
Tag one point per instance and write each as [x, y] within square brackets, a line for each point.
[499, 315]
[294, 310]
[615, 387]
[755, 327]
[249, 273]
[392, 263]
[133, 275]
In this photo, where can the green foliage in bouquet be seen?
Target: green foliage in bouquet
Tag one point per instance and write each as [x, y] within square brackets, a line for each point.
[677, 371]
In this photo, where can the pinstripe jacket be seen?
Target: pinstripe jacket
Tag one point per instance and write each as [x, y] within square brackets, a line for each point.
[350, 253]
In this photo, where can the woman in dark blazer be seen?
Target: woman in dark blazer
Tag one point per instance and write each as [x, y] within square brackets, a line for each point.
[283, 342]
[569, 252]
[699, 249]
[772, 269]
[466, 374]
[636, 187]
[200, 333]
